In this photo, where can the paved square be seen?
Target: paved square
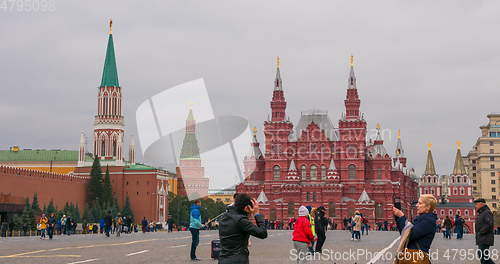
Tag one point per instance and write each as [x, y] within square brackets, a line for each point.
[169, 248]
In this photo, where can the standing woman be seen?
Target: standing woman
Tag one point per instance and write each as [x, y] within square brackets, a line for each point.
[356, 229]
[419, 237]
[302, 235]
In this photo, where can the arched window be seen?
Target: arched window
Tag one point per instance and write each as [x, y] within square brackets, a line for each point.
[452, 179]
[291, 209]
[313, 172]
[442, 212]
[276, 172]
[331, 209]
[103, 148]
[307, 196]
[323, 172]
[450, 212]
[105, 104]
[461, 191]
[458, 212]
[379, 211]
[314, 196]
[466, 212]
[379, 173]
[303, 172]
[351, 170]
[114, 148]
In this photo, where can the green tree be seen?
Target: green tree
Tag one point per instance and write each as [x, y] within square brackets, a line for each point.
[107, 194]
[35, 206]
[127, 209]
[95, 185]
[50, 208]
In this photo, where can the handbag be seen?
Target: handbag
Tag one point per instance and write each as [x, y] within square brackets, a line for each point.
[412, 256]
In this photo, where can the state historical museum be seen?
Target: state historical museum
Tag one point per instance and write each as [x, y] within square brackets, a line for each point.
[315, 163]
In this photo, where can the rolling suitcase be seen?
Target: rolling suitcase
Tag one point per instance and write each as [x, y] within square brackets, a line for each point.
[215, 249]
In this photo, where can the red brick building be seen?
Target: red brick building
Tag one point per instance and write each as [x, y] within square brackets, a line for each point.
[454, 191]
[315, 163]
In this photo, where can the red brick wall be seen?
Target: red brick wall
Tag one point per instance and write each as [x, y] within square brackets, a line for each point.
[23, 183]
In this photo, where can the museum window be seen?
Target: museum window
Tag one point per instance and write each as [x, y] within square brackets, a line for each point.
[291, 209]
[379, 173]
[276, 172]
[303, 172]
[466, 212]
[331, 209]
[114, 148]
[307, 196]
[313, 172]
[379, 211]
[351, 171]
[314, 197]
[323, 172]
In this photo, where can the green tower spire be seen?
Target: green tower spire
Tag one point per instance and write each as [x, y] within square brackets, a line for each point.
[109, 73]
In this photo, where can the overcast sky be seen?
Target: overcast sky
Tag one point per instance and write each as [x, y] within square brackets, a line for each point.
[430, 68]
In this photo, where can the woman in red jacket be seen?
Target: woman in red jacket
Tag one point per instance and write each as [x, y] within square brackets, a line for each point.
[302, 235]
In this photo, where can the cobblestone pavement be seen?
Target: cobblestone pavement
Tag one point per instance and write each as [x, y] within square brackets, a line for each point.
[174, 247]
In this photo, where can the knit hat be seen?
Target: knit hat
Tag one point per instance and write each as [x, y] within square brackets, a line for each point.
[303, 211]
[309, 208]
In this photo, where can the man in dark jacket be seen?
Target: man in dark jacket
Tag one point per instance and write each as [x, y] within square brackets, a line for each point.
[108, 221]
[235, 228]
[484, 231]
[459, 226]
[51, 225]
[321, 225]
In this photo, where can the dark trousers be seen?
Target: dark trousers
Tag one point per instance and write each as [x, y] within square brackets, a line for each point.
[485, 254]
[460, 232]
[107, 229]
[50, 230]
[195, 233]
[320, 242]
[237, 259]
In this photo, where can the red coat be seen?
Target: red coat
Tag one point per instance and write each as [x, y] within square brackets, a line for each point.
[302, 230]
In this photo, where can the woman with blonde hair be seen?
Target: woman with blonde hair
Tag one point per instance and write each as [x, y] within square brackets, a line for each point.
[417, 236]
[356, 226]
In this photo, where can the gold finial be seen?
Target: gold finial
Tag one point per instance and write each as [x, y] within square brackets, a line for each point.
[110, 26]
[278, 62]
[378, 126]
[351, 61]
[399, 133]
[459, 144]
[254, 131]
[429, 146]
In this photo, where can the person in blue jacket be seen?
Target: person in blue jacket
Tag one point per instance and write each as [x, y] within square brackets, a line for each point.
[195, 226]
[424, 225]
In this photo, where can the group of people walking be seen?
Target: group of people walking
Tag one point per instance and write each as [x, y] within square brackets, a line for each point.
[447, 226]
[47, 226]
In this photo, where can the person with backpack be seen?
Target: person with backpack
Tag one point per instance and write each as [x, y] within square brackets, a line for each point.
[447, 225]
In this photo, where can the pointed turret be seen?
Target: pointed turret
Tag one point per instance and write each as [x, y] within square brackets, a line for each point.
[262, 197]
[255, 152]
[292, 166]
[429, 167]
[459, 168]
[277, 81]
[278, 103]
[81, 153]
[364, 198]
[190, 148]
[131, 151]
[352, 102]
[109, 73]
[400, 152]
